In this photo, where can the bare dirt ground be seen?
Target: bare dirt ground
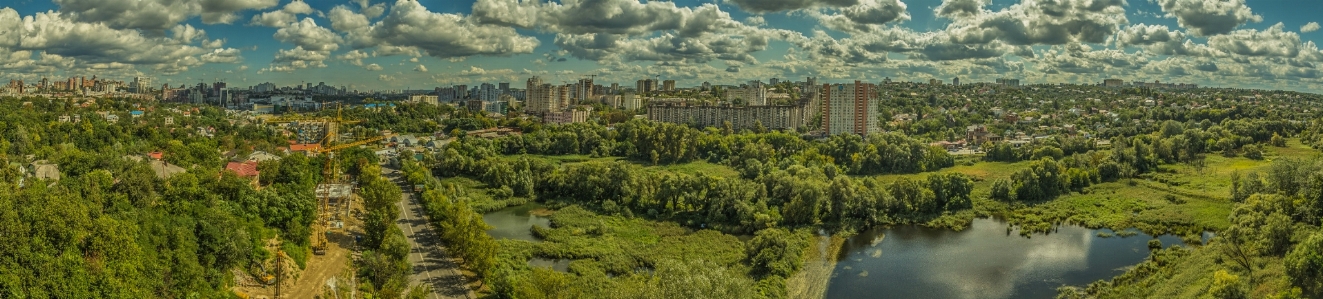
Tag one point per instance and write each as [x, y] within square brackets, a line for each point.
[311, 281]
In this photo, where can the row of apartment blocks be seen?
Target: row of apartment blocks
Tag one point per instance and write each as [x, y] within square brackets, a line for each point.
[776, 117]
[845, 108]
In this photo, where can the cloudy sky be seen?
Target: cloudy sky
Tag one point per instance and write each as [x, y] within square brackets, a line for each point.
[420, 44]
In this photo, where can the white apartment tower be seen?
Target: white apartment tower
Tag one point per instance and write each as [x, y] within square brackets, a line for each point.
[141, 84]
[849, 108]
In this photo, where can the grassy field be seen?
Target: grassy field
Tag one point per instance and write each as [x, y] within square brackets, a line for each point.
[608, 253]
[1179, 199]
[479, 195]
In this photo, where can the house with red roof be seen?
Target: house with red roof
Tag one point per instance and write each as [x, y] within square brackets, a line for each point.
[247, 170]
[307, 149]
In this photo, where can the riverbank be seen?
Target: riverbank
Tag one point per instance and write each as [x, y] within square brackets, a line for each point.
[819, 264]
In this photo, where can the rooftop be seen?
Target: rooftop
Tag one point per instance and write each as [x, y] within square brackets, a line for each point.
[243, 169]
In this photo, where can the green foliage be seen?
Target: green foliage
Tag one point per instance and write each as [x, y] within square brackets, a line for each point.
[776, 252]
[1304, 265]
[1227, 286]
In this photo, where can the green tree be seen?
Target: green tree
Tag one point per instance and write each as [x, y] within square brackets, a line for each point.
[1304, 265]
[776, 252]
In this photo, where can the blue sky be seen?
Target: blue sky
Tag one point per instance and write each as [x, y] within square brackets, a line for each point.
[398, 44]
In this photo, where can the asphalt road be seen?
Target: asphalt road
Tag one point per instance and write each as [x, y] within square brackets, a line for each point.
[431, 264]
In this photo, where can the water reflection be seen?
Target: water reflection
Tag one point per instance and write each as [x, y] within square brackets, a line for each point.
[516, 222]
[562, 265]
[980, 262]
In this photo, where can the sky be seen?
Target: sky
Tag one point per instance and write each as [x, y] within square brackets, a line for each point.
[422, 44]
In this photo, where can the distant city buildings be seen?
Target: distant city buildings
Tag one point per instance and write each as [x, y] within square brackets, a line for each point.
[1008, 82]
[646, 86]
[754, 94]
[424, 99]
[141, 85]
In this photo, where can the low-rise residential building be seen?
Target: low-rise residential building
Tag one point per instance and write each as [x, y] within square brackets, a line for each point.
[576, 115]
[247, 170]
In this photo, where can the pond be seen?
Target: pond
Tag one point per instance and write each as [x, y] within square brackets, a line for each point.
[516, 222]
[983, 261]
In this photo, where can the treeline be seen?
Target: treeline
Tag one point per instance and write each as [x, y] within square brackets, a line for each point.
[773, 196]
[384, 266]
[462, 229]
[665, 143]
[1171, 142]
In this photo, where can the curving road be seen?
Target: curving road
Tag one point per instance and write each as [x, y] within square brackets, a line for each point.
[431, 264]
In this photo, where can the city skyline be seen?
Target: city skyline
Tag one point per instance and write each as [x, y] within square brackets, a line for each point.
[406, 44]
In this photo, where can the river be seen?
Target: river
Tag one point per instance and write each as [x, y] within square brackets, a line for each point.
[983, 261]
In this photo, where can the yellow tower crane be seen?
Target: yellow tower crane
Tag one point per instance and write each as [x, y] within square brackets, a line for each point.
[329, 145]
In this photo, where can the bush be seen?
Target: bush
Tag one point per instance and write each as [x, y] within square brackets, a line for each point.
[1253, 152]
[776, 252]
[1304, 265]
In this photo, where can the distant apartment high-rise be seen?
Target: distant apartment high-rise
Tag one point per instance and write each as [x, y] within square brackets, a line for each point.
[561, 95]
[1113, 83]
[504, 87]
[955, 81]
[584, 90]
[461, 92]
[487, 93]
[668, 85]
[934, 82]
[538, 97]
[849, 108]
[141, 85]
[646, 86]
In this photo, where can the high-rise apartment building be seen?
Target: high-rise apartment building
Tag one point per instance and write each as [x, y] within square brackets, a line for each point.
[487, 93]
[849, 108]
[585, 90]
[646, 86]
[668, 85]
[539, 97]
[141, 85]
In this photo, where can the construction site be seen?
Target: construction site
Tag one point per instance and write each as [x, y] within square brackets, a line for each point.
[334, 233]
